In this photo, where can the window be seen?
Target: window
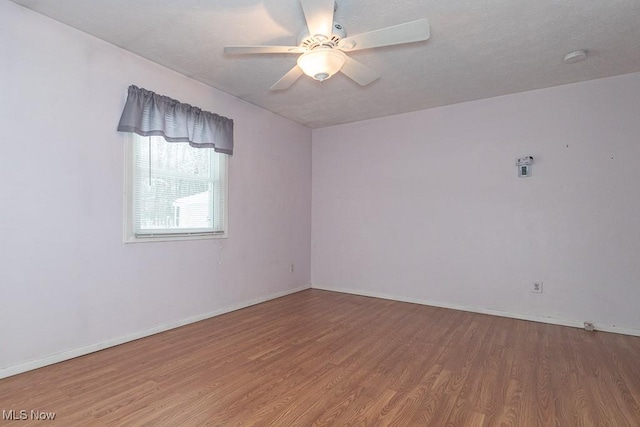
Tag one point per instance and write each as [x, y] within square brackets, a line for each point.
[174, 191]
[176, 169]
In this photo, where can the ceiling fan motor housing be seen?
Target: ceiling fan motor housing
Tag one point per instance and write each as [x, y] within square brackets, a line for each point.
[310, 42]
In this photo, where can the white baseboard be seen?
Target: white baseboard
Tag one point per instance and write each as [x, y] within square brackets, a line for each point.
[81, 351]
[481, 310]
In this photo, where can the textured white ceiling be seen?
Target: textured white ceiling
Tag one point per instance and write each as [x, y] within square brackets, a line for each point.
[478, 48]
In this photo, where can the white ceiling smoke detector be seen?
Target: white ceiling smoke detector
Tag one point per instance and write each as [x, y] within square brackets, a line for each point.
[575, 56]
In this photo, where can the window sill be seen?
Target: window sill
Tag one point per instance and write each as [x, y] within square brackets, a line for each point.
[172, 237]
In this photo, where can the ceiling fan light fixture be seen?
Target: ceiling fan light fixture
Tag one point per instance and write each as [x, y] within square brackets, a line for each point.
[320, 64]
[323, 41]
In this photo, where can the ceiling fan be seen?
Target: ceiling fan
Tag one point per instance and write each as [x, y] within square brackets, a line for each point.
[323, 43]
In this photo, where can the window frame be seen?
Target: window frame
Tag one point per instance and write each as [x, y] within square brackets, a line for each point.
[129, 228]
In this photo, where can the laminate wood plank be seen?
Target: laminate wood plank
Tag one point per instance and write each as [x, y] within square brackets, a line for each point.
[318, 358]
[350, 377]
[423, 395]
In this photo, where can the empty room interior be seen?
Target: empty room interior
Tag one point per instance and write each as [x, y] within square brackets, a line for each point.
[308, 212]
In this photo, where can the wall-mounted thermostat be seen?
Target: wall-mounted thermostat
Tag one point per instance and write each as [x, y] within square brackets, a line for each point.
[524, 166]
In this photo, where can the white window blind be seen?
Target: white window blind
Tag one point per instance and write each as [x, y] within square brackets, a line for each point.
[176, 189]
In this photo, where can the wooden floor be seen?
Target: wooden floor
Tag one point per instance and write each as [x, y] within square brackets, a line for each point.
[322, 358]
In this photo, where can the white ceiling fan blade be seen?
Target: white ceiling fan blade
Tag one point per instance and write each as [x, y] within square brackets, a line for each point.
[288, 79]
[262, 49]
[404, 33]
[359, 72]
[319, 16]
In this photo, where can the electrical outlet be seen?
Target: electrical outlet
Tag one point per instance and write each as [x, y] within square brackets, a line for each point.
[536, 288]
[293, 268]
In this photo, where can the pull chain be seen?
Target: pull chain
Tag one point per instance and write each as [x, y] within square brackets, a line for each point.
[149, 144]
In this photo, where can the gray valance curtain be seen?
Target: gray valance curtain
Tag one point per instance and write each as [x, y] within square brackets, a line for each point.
[147, 113]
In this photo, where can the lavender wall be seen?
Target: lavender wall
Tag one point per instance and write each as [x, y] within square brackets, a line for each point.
[427, 206]
[68, 283]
